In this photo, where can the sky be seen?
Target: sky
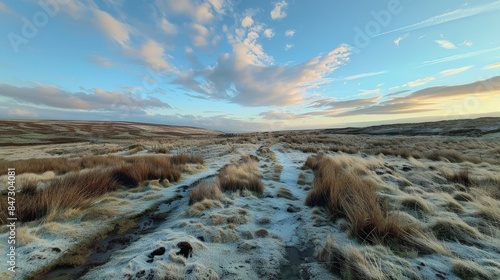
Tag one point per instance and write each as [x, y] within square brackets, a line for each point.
[241, 65]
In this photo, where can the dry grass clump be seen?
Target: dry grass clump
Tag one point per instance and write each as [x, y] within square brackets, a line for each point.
[41, 165]
[185, 158]
[348, 262]
[404, 153]
[466, 269]
[203, 205]
[206, 190]
[416, 203]
[285, 193]
[71, 191]
[242, 176]
[454, 229]
[462, 177]
[340, 187]
[139, 169]
[462, 196]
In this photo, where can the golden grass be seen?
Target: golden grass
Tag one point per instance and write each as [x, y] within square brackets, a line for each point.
[466, 269]
[77, 190]
[348, 262]
[206, 190]
[242, 176]
[341, 187]
[454, 230]
[285, 193]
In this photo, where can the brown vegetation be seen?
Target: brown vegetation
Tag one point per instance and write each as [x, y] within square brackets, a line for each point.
[242, 176]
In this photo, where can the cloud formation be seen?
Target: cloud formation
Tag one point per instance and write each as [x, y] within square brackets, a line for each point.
[455, 71]
[420, 82]
[290, 33]
[241, 80]
[95, 100]
[447, 17]
[278, 12]
[446, 44]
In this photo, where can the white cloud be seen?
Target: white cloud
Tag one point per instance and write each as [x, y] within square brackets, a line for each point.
[455, 71]
[118, 31]
[288, 46]
[290, 33]
[168, 27]
[458, 56]
[467, 43]
[199, 37]
[447, 17]
[446, 44]
[492, 66]
[247, 21]
[420, 82]
[244, 78]
[398, 40]
[153, 54]
[278, 10]
[358, 76]
[369, 91]
[269, 33]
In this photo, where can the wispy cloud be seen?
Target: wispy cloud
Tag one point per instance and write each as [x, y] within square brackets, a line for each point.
[4, 7]
[269, 33]
[398, 40]
[101, 61]
[445, 44]
[290, 33]
[420, 82]
[363, 75]
[455, 71]
[115, 29]
[458, 56]
[447, 17]
[467, 43]
[96, 99]
[369, 91]
[278, 12]
[288, 46]
[492, 66]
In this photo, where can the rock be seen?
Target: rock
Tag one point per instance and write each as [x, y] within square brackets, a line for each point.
[201, 238]
[186, 249]
[57, 250]
[158, 252]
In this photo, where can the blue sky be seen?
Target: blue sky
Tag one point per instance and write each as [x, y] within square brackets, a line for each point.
[239, 65]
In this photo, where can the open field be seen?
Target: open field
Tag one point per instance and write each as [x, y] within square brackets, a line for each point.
[137, 201]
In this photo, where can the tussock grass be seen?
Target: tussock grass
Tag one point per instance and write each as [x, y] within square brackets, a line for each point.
[416, 203]
[206, 190]
[41, 165]
[466, 269]
[348, 262]
[203, 205]
[340, 187]
[454, 230]
[185, 158]
[285, 193]
[76, 190]
[242, 176]
[462, 177]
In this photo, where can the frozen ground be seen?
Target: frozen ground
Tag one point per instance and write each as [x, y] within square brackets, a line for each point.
[269, 236]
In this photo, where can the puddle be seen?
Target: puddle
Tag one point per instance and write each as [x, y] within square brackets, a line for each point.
[295, 269]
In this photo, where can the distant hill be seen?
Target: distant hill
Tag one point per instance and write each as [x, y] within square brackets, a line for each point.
[466, 127]
[30, 132]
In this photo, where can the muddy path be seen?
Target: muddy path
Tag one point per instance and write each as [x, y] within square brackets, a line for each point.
[101, 249]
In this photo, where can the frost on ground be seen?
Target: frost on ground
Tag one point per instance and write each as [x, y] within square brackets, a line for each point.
[248, 213]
